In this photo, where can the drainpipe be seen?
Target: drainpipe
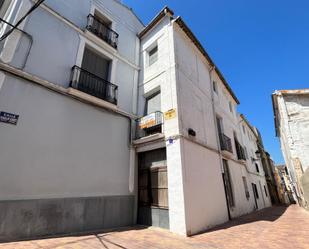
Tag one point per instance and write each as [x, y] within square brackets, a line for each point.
[212, 68]
[133, 122]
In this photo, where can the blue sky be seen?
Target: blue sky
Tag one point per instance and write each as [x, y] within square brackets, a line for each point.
[260, 46]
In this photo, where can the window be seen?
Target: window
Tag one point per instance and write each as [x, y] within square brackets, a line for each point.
[93, 75]
[244, 130]
[246, 187]
[96, 64]
[102, 19]
[153, 103]
[219, 125]
[255, 191]
[5, 12]
[4, 6]
[228, 184]
[153, 55]
[100, 26]
[1, 3]
[246, 152]
[265, 191]
[215, 87]
[231, 106]
[257, 167]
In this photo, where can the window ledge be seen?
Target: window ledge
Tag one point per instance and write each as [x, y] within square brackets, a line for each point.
[149, 138]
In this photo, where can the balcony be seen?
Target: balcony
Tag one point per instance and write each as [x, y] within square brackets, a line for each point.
[240, 151]
[101, 30]
[89, 83]
[225, 143]
[149, 125]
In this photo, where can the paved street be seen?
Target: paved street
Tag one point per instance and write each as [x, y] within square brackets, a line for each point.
[276, 227]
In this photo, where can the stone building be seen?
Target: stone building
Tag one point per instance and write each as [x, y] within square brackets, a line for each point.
[291, 110]
[285, 188]
[106, 122]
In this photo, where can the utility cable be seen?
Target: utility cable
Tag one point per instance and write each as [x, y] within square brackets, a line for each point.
[36, 5]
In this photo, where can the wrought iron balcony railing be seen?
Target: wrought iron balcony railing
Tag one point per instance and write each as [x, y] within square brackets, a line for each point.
[240, 151]
[100, 29]
[149, 124]
[225, 143]
[89, 83]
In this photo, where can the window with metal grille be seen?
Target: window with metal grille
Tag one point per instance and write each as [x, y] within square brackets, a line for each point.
[153, 188]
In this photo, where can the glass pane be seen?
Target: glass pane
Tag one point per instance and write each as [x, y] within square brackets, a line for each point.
[153, 103]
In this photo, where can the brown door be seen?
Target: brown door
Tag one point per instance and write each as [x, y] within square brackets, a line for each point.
[153, 189]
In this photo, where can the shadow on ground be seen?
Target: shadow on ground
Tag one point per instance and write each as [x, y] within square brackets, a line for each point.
[268, 214]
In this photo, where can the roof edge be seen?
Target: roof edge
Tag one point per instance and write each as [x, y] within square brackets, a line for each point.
[276, 112]
[165, 11]
[197, 43]
[292, 92]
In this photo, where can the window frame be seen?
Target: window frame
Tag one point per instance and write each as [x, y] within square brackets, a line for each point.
[231, 107]
[150, 96]
[228, 184]
[150, 61]
[257, 168]
[246, 188]
[265, 191]
[215, 86]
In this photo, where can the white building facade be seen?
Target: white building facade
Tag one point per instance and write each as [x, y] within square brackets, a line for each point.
[68, 164]
[291, 109]
[107, 123]
[190, 114]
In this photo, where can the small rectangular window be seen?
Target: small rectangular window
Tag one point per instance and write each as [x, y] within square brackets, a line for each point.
[265, 191]
[257, 167]
[1, 3]
[255, 191]
[228, 184]
[153, 55]
[231, 107]
[215, 86]
[153, 103]
[246, 187]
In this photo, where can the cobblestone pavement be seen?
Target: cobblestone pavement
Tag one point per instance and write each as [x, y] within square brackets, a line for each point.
[276, 227]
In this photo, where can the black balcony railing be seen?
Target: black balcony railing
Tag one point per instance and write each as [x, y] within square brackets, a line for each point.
[225, 143]
[89, 83]
[100, 29]
[240, 151]
[149, 124]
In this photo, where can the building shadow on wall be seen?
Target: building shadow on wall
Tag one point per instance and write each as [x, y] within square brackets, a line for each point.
[270, 214]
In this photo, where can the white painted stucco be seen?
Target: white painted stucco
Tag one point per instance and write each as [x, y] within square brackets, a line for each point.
[196, 192]
[62, 147]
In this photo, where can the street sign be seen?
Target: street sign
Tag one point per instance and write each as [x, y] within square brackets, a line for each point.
[9, 118]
